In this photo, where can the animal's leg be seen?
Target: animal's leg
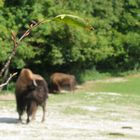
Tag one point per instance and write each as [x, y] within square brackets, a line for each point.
[72, 87]
[28, 112]
[33, 109]
[20, 116]
[20, 110]
[28, 119]
[58, 88]
[18, 107]
[44, 111]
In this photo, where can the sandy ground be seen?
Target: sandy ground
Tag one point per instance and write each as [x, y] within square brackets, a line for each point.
[121, 123]
[104, 122]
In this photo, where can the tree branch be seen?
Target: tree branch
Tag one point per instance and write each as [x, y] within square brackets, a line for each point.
[11, 76]
[16, 43]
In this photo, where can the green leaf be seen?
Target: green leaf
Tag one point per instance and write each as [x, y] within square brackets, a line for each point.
[72, 20]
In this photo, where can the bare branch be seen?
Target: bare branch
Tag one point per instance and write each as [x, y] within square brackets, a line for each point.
[7, 63]
[31, 26]
[11, 76]
[16, 44]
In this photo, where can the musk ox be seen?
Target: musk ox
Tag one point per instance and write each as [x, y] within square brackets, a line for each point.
[31, 91]
[59, 81]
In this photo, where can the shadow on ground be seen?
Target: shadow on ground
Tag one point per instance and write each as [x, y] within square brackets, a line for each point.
[8, 120]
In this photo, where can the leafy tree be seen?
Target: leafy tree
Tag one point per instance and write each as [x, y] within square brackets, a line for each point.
[114, 43]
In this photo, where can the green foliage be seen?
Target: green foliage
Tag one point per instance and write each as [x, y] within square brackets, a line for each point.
[1, 3]
[90, 75]
[53, 46]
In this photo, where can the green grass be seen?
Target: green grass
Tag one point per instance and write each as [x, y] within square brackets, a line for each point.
[89, 75]
[131, 86]
[7, 104]
[75, 110]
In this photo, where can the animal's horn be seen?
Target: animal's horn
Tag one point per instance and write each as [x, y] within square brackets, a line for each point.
[34, 83]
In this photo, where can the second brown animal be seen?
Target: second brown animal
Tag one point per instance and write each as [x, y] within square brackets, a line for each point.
[61, 81]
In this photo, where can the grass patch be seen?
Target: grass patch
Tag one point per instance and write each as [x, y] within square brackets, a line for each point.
[131, 86]
[75, 110]
[89, 75]
[7, 103]
[66, 97]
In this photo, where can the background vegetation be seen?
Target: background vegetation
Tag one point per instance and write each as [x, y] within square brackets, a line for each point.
[113, 45]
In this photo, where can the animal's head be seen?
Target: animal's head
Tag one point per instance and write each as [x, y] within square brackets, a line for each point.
[27, 78]
[26, 74]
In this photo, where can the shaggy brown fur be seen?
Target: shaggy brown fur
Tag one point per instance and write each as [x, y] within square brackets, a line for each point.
[61, 81]
[31, 91]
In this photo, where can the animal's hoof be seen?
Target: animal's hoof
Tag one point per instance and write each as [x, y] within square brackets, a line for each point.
[27, 121]
[43, 120]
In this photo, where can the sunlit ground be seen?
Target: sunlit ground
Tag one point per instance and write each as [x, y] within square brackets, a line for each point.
[98, 110]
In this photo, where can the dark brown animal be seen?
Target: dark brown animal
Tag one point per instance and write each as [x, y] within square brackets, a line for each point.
[59, 81]
[31, 91]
